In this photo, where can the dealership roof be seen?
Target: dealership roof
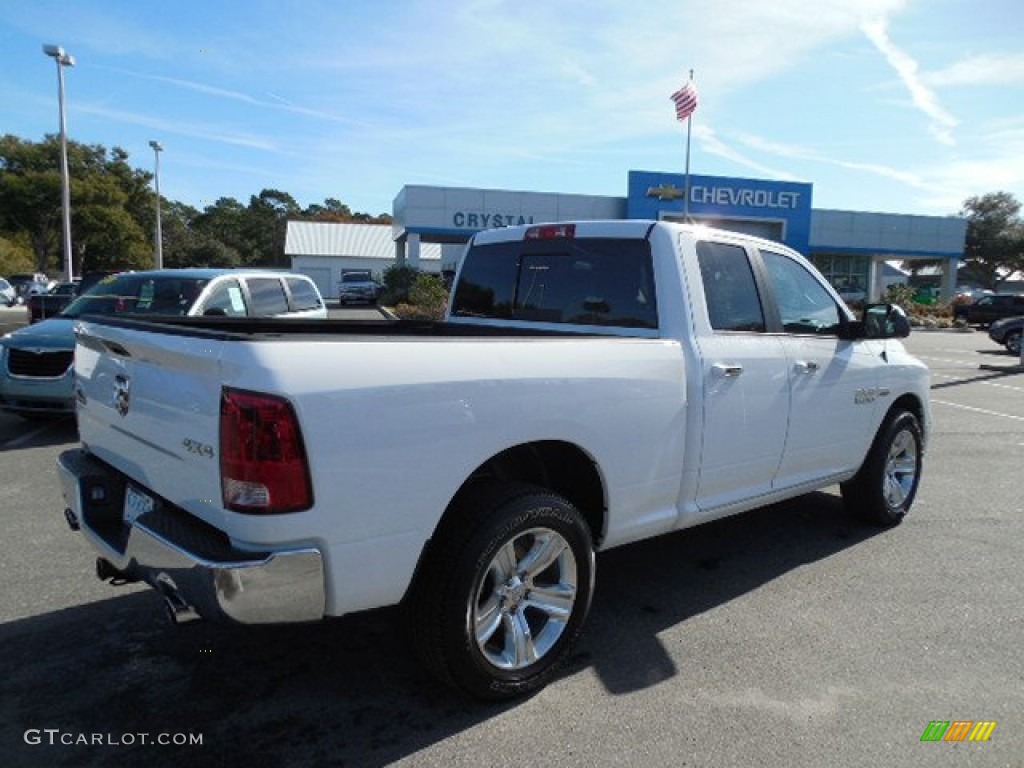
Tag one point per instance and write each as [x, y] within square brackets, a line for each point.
[323, 238]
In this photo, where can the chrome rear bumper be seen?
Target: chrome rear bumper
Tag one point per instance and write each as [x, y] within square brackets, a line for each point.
[191, 563]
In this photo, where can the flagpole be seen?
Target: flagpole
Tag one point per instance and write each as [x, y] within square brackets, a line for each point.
[686, 176]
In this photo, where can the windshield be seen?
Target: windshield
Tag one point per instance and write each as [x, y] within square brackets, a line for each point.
[138, 294]
[356, 277]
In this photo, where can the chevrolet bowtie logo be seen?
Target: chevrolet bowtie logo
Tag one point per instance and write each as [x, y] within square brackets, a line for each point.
[665, 192]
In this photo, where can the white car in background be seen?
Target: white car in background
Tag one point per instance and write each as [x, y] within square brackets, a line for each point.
[8, 296]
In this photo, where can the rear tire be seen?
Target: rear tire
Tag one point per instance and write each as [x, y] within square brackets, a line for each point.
[504, 590]
[884, 488]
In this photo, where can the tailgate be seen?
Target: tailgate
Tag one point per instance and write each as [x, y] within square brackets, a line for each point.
[148, 403]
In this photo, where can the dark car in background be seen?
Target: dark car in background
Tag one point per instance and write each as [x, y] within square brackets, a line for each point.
[1007, 332]
[27, 284]
[44, 305]
[988, 309]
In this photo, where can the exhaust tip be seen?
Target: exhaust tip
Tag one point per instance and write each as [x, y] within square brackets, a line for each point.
[178, 611]
[105, 570]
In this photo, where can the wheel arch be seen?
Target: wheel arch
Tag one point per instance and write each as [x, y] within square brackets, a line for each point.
[908, 402]
[555, 465]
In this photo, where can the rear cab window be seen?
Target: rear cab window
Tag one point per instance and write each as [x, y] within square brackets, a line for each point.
[605, 282]
[730, 290]
[304, 294]
[267, 296]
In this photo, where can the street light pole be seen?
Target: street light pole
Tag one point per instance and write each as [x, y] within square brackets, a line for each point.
[63, 59]
[158, 237]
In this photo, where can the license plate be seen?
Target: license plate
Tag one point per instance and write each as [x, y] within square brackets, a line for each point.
[136, 503]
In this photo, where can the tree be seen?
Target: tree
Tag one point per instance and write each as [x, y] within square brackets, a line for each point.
[224, 222]
[266, 226]
[113, 214]
[336, 211]
[332, 210]
[30, 195]
[110, 201]
[994, 247]
[15, 255]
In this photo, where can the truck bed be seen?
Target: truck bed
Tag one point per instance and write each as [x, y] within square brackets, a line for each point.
[256, 329]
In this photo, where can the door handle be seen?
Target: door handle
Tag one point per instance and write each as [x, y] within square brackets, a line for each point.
[806, 366]
[727, 370]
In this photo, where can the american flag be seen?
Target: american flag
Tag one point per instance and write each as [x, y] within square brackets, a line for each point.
[685, 100]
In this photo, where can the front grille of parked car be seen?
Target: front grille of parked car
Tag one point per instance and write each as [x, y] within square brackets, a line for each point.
[39, 365]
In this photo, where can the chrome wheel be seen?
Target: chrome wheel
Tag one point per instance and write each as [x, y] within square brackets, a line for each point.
[884, 488]
[1013, 344]
[504, 589]
[900, 477]
[525, 599]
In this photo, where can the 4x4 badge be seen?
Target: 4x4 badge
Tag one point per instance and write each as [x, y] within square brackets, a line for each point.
[122, 394]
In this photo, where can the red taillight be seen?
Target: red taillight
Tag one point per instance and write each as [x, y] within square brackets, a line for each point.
[550, 231]
[263, 468]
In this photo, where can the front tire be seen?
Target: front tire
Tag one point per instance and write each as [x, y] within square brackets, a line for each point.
[884, 488]
[504, 591]
[1012, 343]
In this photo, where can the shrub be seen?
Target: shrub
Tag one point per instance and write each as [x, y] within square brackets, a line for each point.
[902, 296]
[398, 281]
[427, 298]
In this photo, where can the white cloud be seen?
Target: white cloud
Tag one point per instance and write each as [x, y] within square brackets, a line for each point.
[276, 102]
[923, 98]
[806, 153]
[985, 69]
[713, 145]
[181, 128]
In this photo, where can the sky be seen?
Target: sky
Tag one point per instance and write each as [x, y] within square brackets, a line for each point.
[901, 106]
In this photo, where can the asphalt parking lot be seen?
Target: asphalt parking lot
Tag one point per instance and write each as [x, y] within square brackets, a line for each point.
[788, 636]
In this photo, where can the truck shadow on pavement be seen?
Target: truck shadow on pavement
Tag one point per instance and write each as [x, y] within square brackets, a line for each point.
[348, 691]
[16, 433]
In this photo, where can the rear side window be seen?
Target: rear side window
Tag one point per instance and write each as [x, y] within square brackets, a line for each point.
[585, 281]
[226, 299]
[729, 288]
[304, 294]
[267, 296]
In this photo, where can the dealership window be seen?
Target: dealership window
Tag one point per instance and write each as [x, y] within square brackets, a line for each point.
[847, 273]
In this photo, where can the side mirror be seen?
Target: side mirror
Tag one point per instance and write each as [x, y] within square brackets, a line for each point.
[877, 321]
[885, 321]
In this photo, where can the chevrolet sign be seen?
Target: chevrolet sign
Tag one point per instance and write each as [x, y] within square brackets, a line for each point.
[666, 192]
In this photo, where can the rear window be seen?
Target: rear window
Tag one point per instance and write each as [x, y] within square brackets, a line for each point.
[581, 281]
[356, 277]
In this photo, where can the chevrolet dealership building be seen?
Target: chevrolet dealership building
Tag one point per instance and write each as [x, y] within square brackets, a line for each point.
[849, 247]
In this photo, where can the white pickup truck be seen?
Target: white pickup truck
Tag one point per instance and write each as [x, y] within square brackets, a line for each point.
[593, 384]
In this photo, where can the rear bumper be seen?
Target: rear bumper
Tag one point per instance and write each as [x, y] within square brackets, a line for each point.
[191, 563]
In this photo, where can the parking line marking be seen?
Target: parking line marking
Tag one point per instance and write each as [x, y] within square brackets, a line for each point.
[979, 410]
